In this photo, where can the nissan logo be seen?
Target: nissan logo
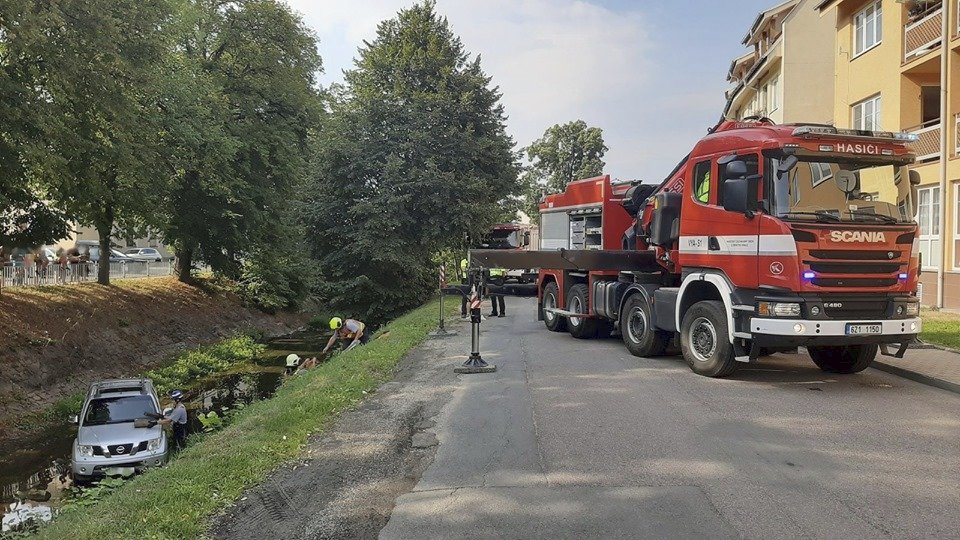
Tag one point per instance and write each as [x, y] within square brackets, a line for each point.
[119, 450]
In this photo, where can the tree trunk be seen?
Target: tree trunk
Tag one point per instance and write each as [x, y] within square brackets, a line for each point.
[103, 267]
[184, 262]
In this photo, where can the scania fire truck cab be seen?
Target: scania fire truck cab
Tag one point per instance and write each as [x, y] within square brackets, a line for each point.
[764, 238]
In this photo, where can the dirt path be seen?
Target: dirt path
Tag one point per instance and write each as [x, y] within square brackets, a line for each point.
[346, 484]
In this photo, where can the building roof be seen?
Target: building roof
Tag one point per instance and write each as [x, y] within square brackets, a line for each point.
[766, 16]
[747, 58]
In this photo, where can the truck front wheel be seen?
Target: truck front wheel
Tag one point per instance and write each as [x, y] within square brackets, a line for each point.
[845, 359]
[636, 328]
[704, 340]
[552, 321]
[580, 328]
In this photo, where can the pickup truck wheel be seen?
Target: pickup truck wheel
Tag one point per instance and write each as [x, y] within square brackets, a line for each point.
[704, 340]
[844, 359]
[577, 303]
[637, 331]
[551, 295]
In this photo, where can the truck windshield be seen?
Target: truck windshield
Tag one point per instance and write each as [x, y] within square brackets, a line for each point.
[116, 410]
[834, 191]
[501, 239]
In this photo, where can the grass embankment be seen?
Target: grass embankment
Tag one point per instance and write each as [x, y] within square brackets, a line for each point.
[941, 328]
[175, 501]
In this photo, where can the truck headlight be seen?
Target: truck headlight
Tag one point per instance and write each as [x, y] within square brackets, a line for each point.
[85, 450]
[779, 309]
[912, 309]
[153, 445]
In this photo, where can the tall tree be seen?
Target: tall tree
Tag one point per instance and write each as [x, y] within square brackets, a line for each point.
[414, 156]
[565, 152]
[26, 217]
[240, 109]
[99, 63]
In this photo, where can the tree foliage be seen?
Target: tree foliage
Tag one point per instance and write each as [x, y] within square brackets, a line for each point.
[97, 71]
[414, 157]
[565, 152]
[242, 104]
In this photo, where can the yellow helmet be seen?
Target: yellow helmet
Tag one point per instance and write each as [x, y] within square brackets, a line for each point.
[336, 323]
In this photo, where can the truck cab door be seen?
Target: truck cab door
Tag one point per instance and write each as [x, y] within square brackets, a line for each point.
[718, 229]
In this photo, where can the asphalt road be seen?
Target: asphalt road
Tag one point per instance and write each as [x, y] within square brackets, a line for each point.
[573, 439]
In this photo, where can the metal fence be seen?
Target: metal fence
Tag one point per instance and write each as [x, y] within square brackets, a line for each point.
[17, 275]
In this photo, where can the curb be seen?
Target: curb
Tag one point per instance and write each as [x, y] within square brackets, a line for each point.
[918, 377]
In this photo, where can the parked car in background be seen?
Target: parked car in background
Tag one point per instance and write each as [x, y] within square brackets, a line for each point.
[115, 430]
[91, 248]
[144, 254]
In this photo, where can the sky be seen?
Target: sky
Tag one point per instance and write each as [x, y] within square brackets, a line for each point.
[650, 73]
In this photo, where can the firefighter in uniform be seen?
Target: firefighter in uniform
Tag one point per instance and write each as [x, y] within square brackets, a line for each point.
[349, 332]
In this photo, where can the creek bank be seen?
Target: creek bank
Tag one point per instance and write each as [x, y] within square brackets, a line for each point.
[35, 469]
[56, 340]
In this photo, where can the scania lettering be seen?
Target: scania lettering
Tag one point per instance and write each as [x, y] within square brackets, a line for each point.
[763, 239]
[858, 236]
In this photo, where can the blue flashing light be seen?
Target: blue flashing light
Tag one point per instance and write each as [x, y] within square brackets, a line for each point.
[809, 275]
[903, 275]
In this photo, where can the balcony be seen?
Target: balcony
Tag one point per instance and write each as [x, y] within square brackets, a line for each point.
[927, 146]
[923, 33]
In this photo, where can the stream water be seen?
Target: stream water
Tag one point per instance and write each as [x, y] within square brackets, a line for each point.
[35, 470]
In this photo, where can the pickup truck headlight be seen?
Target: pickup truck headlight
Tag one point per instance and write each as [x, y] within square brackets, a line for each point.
[153, 444]
[85, 450]
[778, 309]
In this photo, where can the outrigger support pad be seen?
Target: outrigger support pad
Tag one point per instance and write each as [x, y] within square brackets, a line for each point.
[475, 364]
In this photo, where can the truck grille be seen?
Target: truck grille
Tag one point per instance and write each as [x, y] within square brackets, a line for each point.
[882, 255]
[120, 449]
[843, 268]
[854, 282]
[853, 268]
[855, 309]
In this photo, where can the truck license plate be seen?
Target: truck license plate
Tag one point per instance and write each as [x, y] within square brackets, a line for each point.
[856, 329]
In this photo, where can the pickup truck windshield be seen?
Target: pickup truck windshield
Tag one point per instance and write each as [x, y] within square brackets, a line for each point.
[841, 191]
[116, 410]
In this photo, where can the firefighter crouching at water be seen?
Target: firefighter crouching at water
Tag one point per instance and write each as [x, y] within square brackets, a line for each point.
[177, 419]
[350, 332]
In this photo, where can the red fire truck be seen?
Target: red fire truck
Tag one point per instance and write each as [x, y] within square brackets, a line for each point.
[763, 239]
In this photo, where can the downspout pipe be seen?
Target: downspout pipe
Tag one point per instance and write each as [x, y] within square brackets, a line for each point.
[944, 102]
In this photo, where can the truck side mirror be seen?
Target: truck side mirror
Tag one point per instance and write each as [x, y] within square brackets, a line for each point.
[739, 194]
[914, 177]
[735, 169]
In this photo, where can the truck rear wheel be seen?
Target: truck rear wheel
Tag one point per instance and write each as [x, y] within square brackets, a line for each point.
[704, 340]
[580, 328]
[636, 328]
[844, 359]
[551, 295]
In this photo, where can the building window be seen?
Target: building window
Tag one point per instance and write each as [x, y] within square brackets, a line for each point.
[867, 28]
[928, 217]
[820, 173]
[773, 97]
[956, 226]
[866, 114]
